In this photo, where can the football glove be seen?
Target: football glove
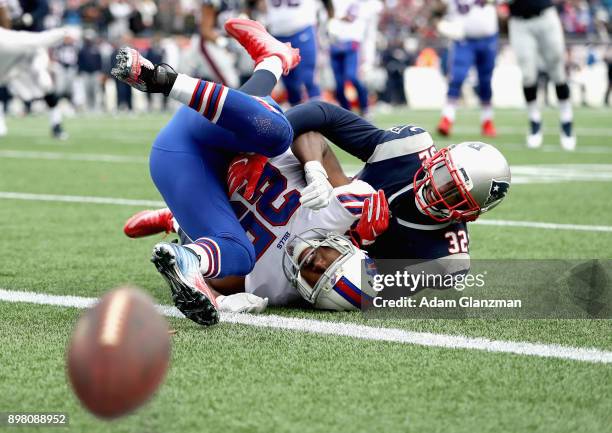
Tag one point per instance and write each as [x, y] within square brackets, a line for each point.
[374, 220]
[245, 169]
[318, 191]
[242, 303]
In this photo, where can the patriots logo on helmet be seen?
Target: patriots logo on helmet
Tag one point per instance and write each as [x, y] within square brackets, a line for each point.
[498, 190]
[476, 145]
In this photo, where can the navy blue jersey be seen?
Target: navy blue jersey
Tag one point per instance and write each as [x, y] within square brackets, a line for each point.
[392, 157]
[411, 234]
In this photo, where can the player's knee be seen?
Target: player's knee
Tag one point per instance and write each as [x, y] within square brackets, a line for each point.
[531, 93]
[51, 99]
[278, 140]
[238, 256]
[563, 92]
[454, 89]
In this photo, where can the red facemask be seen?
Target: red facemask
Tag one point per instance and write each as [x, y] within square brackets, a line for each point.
[442, 193]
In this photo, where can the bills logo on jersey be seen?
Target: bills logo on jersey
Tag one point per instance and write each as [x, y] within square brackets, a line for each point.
[498, 190]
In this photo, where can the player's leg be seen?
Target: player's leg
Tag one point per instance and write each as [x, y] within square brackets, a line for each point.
[254, 122]
[351, 68]
[55, 116]
[308, 65]
[524, 45]
[552, 50]
[193, 187]
[461, 60]
[485, 64]
[336, 57]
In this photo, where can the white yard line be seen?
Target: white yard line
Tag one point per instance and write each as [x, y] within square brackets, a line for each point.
[545, 226]
[64, 156]
[79, 199]
[363, 332]
[153, 203]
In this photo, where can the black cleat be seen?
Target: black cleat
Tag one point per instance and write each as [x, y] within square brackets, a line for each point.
[138, 72]
[181, 269]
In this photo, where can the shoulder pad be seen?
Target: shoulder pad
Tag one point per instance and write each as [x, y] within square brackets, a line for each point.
[400, 141]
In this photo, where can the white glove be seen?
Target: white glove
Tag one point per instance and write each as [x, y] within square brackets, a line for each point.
[318, 191]
[242, 303]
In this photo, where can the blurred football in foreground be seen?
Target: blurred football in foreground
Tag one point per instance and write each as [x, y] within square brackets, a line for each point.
[119, 353]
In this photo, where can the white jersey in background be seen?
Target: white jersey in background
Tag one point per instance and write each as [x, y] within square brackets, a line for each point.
[24, 61]
[477, 20]
[288, 17]
[349, 23]
[276, 217]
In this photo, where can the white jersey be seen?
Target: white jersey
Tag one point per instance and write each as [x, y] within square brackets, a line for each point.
[350, 20]
[276, 216]
[288, 17]
[477, 18]
[19, 48]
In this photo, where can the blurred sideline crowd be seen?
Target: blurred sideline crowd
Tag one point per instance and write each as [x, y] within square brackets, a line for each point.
[170, 30]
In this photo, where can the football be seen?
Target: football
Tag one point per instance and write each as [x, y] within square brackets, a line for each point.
[119, 353]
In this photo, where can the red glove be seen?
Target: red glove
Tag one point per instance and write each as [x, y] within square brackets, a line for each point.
[374, 220]
[245, 168]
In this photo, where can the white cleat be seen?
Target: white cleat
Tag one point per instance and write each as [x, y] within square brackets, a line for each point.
[568, 142]
[534, 141]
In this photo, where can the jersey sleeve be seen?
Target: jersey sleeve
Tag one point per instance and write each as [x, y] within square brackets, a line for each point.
[356, 135]
[344, 209]
[345, 129]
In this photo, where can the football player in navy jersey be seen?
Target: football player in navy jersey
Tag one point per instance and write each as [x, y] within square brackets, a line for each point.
[432, 193]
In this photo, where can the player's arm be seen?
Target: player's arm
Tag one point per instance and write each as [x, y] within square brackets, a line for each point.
[5, 20]
[345, 129]
[329, 7]
[207, 22]
[312, 146]
[19, 41]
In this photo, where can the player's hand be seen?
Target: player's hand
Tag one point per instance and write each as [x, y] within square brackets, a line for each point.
[374, 220]
[245, 169]
[242, 303]
[318, 191]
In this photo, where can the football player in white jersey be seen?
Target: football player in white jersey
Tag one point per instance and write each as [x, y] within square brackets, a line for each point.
[301, 252]
[294, 21]
[473, 27]
[209, 55]
[216, 123]
[24, 69]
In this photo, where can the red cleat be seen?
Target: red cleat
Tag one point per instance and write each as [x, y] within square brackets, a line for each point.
[260, 44]
[149, 222]
[445, 126]
[488, 129]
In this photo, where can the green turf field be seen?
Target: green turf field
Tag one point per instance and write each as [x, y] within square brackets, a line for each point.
[242, 378]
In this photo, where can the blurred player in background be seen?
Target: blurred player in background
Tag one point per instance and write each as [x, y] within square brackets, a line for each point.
[24, 68]
[210, 56]
[294, 21]
[346, 33]
[536, 32]
[473, 27]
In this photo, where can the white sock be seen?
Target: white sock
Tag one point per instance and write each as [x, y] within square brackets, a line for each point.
[183, 88]
[2, 122]
[272, 64]
[566, 112]
[486, 113]
[449, 111]
[534, 112]
[55, 116]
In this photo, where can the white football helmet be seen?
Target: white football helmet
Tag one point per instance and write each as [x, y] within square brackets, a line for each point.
[340, 287]
[461, 182]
